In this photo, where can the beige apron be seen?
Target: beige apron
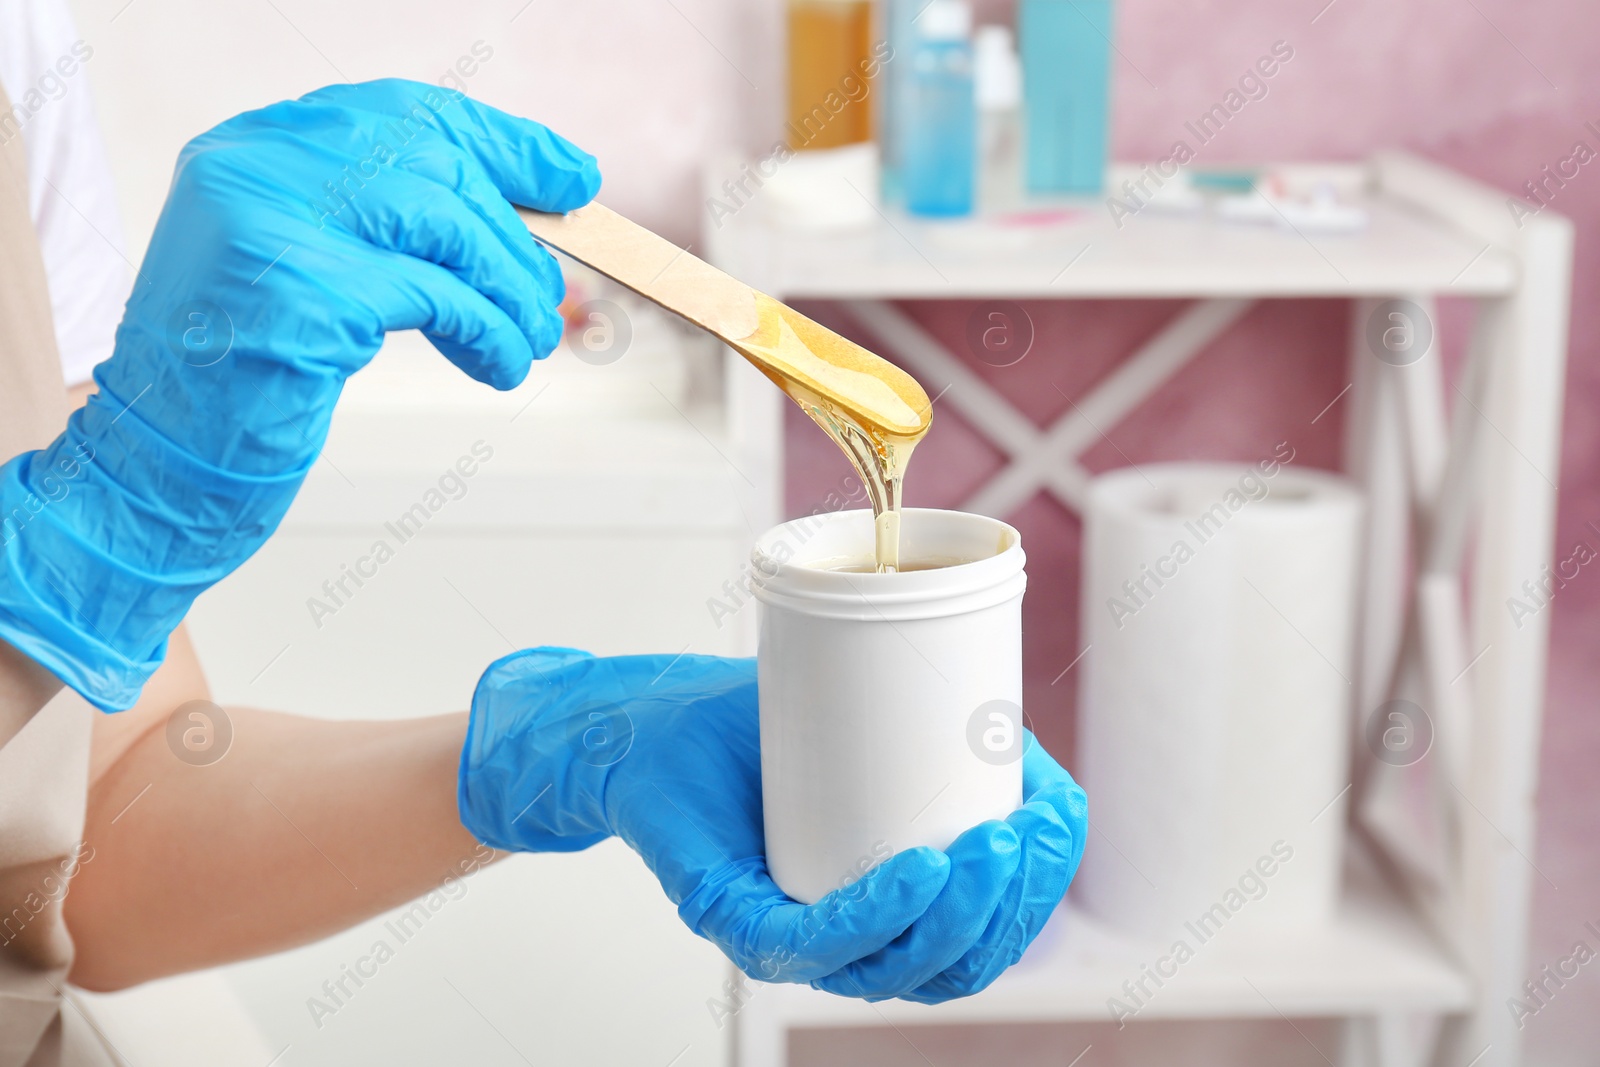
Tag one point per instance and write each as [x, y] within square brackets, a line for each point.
[44, 767]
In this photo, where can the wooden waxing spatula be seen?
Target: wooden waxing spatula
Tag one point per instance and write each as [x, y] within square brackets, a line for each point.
[808, 361]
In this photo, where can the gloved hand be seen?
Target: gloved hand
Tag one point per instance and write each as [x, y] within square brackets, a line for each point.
[565, 749]
[292, 240]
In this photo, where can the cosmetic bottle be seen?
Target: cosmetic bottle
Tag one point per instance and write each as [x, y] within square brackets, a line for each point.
[1066, 71]
[939, 162]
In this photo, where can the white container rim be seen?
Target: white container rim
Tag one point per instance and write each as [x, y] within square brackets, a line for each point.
[785, 572]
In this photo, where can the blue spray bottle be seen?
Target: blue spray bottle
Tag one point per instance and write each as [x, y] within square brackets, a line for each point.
[938, 141]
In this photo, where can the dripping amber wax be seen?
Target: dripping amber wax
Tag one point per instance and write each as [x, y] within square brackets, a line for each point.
[872, 410]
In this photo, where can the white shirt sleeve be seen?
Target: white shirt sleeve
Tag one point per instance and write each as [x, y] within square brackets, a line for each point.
[70, 193]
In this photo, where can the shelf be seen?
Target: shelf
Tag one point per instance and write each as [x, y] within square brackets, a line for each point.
[1374, 957]
[1153, 255]
[1472, 479]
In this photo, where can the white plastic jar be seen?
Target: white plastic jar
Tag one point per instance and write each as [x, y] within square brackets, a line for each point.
[891, 704]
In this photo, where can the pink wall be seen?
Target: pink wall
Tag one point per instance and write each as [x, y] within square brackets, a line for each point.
[1469, 86]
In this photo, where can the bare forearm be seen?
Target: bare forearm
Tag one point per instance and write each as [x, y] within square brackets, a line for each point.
[303, 828]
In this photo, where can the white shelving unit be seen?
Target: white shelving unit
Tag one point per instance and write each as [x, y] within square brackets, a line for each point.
[1431, 937]
[1373, 959]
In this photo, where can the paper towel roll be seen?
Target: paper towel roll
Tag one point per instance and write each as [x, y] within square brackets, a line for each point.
[1220, 602]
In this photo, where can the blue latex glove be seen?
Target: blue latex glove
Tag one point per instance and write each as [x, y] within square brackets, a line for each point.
[565, 749]
[292, 240]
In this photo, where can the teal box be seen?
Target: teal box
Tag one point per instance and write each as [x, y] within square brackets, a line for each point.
[1066, 77]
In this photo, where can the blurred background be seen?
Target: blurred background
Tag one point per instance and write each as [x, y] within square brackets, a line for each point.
[630, 475]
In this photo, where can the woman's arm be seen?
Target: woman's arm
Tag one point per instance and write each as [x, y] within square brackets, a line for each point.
[304, 827]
